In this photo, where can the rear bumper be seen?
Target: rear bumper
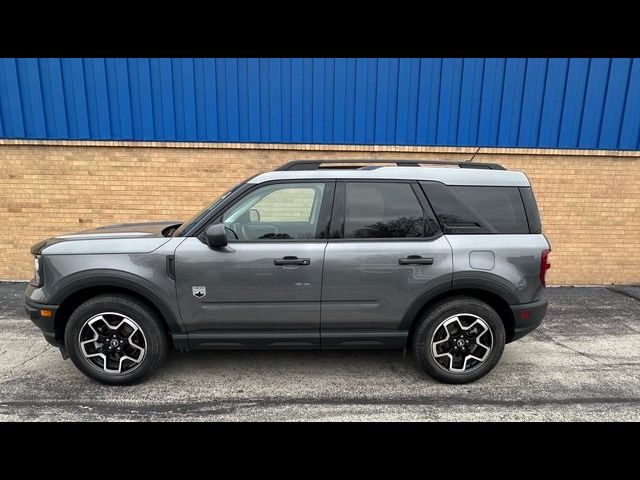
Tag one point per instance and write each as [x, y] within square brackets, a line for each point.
[45, 324]
[528, 316]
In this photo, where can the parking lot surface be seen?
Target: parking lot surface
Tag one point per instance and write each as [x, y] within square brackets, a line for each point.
[583, 363]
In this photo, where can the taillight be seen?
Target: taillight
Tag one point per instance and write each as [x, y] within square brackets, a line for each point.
[544, 266]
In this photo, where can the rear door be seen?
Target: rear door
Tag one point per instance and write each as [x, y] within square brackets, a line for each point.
[385, 250]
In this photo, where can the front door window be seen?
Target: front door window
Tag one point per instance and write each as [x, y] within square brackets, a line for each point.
[276, 212]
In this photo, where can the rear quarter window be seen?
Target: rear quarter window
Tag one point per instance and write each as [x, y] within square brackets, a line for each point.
[531, 207]
[477, 209]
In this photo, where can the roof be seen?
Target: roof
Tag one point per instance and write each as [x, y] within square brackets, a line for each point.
[448, 176]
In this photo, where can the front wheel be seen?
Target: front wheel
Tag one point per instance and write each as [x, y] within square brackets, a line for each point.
[459, 340]
[115, 339]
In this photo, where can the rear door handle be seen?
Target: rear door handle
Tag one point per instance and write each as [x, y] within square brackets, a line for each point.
[415, 260]
[290, 260]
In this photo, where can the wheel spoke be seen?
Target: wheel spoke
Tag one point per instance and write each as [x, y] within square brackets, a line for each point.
[470, 357]
[488, 347]
[126, 357]
[451, 321]
[132, 344]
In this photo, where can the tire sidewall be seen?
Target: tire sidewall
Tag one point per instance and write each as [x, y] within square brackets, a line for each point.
[140, 314]
[432, 320]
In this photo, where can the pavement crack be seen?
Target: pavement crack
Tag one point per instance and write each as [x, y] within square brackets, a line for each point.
[539, 334]
[33, 357]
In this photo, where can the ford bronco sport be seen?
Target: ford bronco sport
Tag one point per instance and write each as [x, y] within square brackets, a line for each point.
[448, 261]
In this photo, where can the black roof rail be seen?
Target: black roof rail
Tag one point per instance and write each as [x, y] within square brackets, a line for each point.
[318, 164]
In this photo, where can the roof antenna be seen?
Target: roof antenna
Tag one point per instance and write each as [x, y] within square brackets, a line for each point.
[474, 155]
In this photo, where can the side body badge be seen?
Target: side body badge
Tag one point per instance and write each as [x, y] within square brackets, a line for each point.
[199, 291]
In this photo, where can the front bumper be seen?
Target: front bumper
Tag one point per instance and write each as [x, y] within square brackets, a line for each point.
[528, 316]
[45, 324]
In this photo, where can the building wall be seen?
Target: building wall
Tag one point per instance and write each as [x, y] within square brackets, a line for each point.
[513, 102]
[589, 200]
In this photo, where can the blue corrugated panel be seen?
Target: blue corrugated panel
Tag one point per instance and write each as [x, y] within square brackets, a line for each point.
[538, 102]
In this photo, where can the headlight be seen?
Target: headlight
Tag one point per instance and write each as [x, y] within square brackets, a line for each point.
[37, 272]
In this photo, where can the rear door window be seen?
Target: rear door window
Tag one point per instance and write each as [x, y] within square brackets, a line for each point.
[477, 209]
[382, 210]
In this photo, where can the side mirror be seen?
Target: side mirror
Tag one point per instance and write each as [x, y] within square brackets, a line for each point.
[216, 236]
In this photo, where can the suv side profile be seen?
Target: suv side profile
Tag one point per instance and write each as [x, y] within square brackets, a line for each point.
[449, 262]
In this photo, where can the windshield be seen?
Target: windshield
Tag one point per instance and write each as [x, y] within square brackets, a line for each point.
[200, 215]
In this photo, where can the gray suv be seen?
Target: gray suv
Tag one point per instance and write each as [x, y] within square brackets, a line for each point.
[449, 261]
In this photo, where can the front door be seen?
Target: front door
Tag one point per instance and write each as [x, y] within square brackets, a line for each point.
[264, 288]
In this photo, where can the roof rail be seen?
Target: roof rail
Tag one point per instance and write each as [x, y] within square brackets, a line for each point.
[318, 164]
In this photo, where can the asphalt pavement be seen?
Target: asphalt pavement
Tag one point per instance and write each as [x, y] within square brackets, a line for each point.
[583, 363]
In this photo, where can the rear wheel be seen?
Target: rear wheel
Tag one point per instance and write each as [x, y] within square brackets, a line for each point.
[459, 340]
[115, 339]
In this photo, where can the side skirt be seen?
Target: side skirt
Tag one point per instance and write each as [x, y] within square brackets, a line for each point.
[244, 340]
[328, 341]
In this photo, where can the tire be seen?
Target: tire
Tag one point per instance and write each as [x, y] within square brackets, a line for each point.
[141, 351]
[439, 333]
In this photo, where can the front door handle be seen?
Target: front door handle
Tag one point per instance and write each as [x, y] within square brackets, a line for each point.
[290, 260]
[415, 260]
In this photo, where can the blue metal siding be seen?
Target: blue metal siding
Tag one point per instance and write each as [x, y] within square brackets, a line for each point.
[539, 102]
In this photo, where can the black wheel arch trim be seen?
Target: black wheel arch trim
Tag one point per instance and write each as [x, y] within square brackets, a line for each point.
[481, 281]
[118, 279]
[487, 281]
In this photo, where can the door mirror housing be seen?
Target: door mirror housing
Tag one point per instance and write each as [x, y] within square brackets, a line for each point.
[216, 236]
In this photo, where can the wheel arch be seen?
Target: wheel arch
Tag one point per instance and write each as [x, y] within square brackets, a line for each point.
[77, 290]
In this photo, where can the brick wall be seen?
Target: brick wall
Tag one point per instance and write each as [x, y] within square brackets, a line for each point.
[589, 200]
